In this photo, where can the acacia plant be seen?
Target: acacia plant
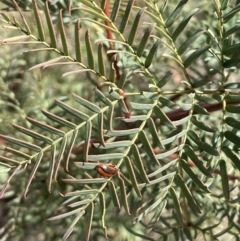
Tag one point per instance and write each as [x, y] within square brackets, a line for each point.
[119, 119]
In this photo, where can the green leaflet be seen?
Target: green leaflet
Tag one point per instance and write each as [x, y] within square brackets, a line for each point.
[224, 177]
[171, 19]
[90, 56]
[101, 64]
[232, 156]
[194, 158]
[189, 41]
[50, 26]
[143, 42]
[135, 24]
[128, 164]
[193, 176]
[148, 147]
[126, 16]
[86, 103]
[63, 34]
[151, 54]
[183, 24]
[186, 192]
[177, 206]
[190, 59]
[115, 10]
[231, 14]
[38, 21]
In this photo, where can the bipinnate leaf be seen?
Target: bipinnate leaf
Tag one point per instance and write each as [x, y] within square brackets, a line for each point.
[135, 24]
[173, 16]
[179, 29]
[132, 176]
[126, 16]
[186, 192]
[224, 177]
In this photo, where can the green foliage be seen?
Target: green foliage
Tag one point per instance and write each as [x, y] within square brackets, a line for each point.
[148, 86]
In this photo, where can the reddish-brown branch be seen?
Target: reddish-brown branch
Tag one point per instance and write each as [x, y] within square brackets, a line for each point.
[110, 37]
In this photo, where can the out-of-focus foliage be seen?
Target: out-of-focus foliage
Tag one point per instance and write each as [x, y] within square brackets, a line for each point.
[119, 119]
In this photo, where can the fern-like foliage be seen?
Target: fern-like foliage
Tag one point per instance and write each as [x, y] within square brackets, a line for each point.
[162, 107]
